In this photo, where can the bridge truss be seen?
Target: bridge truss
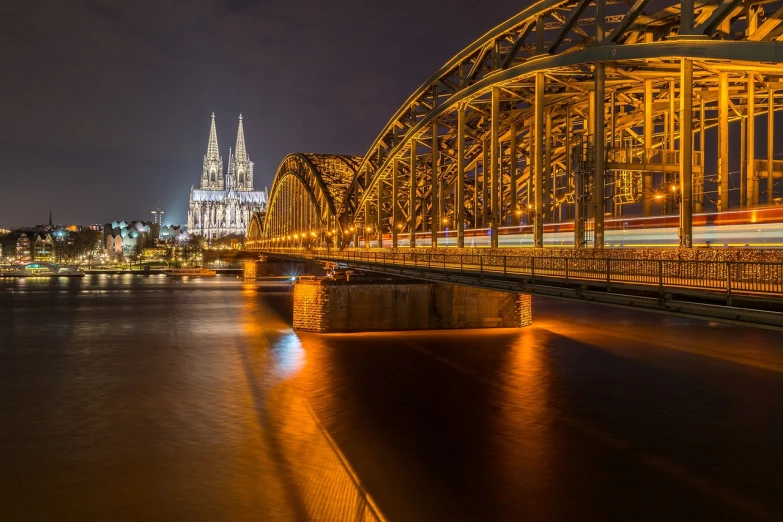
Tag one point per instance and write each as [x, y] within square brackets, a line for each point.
[569, 112]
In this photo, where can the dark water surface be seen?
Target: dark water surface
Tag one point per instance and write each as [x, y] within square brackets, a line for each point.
[132, 398]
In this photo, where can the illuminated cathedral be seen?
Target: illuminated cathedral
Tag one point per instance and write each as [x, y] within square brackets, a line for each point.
[224, 203]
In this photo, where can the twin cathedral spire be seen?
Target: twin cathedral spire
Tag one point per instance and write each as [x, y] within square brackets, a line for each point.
[240, 169]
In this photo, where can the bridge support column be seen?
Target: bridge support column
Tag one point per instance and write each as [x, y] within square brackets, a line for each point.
[494, 163]
[698, 188]
[512, 174]
[379, 220]
[770, 143]
[395, 195]
[751, 190]
[459, 188]
[250, 270]
[412, 196]
[686, 153]
[486, 204]
[569, 183]
[364, 307]
[434, 210]
[599, 177]
[550, 184]
[647, 177]
[538, 159]
[723, 141]
[599, 133]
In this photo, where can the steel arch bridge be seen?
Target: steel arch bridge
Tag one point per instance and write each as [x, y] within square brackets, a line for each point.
[568, 114]
[306, 194]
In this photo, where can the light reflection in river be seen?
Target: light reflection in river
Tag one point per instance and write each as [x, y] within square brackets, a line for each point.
[131, 398]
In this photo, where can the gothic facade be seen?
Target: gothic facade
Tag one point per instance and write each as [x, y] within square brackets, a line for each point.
[224, 203]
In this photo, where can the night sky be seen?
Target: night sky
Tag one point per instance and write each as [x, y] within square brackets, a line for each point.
[106, 103]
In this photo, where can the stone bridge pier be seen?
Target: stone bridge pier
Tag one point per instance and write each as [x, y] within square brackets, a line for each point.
[326, 306]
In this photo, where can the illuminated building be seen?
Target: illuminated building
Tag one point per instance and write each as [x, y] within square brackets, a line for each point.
[157, 216]
[121, 237]
[23, 248]
[43, 247]
[224, 204]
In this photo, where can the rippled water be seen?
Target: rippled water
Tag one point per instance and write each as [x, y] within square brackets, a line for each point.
[132, 398]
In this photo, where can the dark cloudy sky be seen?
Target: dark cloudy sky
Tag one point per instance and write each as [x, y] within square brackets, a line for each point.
[105, 104]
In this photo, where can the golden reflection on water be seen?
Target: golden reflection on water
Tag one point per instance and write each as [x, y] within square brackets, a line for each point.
[313, 474]
[524, 420]
[635, 340]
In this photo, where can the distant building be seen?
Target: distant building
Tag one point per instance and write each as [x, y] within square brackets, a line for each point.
[34, 246]
[224, 204]
[24, 251]
[157, 217]
[128, 238]
[43, 248]
[122, 238]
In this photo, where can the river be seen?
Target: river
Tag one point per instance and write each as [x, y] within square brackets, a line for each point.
[128, 398]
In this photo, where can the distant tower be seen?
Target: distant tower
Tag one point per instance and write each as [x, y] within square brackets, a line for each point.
[230, 180]
[212, 171]
[242, 166]
[50, 217]
[157, 216]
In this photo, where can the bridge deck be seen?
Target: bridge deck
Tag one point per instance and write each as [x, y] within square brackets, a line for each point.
[743, 292]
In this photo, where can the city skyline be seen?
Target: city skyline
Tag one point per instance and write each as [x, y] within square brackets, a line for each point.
[89, 123]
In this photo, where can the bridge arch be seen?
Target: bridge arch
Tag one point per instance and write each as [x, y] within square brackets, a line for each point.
[256, 226]
[305, 193]
[577, 111]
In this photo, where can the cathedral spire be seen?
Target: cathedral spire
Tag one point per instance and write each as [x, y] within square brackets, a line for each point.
[240, 151]
[212, 149]
[212, 172]
[230, 173]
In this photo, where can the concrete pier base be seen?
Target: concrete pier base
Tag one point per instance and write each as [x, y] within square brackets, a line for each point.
[250, 270]
[363, 307]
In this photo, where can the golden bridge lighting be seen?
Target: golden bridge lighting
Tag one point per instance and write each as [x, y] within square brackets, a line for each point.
[673, 103]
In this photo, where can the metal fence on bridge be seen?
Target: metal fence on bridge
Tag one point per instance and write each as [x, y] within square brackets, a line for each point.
[764, 279]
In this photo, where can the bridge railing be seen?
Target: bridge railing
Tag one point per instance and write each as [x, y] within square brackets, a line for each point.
[711, 276]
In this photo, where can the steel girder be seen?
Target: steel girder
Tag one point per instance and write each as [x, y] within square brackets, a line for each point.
[499, 134]
[305, 193]
[256, 226]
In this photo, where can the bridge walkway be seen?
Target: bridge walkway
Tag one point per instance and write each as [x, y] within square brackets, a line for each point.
[737, 292]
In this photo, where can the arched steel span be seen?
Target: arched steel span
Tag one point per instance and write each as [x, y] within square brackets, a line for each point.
[306, 191]
[256, 226]
[505, 132]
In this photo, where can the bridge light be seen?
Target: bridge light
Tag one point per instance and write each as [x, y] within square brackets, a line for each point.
[369, 229]
[519, 212]
[445, 221]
